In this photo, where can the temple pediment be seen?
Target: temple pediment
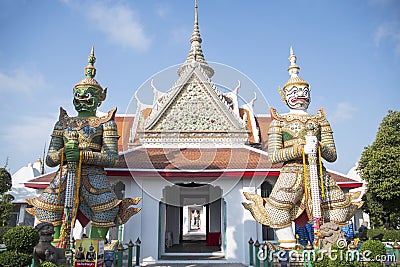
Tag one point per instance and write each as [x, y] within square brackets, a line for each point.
[194, 110]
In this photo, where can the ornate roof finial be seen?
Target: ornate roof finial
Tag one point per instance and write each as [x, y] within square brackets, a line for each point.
[196, 12]
[196, 39]
[294, 71]
[196, 53]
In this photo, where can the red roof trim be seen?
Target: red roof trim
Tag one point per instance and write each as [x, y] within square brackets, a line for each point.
[36, 185]
[175, 174]
[350, 185]
[187, 174]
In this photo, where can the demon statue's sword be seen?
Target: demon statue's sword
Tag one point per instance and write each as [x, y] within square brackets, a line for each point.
[67, 227]
[315, 187]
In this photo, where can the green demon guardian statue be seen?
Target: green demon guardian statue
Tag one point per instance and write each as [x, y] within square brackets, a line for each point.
[83, 146]
[304, 190]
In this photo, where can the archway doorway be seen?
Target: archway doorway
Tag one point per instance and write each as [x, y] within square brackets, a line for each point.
[192, 221]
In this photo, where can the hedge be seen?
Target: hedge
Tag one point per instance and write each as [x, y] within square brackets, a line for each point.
[3, 230]
[384, 235]
[21, 239]
[15, 259]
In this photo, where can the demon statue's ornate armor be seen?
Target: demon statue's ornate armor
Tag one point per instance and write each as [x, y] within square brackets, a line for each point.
[84, 146]
[292, 138]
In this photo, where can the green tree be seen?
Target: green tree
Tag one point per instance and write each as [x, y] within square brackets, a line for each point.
[5, 181]
[6, 207]
[379, 166]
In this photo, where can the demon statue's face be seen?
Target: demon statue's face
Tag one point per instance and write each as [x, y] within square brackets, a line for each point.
[86, 99]
[298, 97]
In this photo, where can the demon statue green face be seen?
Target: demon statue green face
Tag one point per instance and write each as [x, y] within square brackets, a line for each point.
[86, 100]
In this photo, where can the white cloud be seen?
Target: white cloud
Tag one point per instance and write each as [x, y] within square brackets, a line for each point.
[163, 11]
[344, 112]
[21, 81]
[388, 33]
[120, 24]
[24, 140]
[29, 131]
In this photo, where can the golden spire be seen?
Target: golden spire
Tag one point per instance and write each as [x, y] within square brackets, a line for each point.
[90, 73]
[90, 70]
[196, 53]
[294, 71]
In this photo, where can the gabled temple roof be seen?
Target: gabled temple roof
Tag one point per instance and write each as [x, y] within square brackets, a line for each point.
[41, 181]
[194, 159]
[18, 190]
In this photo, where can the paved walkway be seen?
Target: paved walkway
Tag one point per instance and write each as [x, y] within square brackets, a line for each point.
[196, 265]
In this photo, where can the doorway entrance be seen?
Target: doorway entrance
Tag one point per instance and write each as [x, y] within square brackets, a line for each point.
[192, 221]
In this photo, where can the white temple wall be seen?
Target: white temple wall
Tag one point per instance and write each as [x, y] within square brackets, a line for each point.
[235, 241]
[240, 225]
[144, 224]
[150, 225]
[251, 228]
[132, 229]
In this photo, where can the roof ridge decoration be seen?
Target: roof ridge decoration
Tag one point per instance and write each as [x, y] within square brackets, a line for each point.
[232, 96]
[138, 117]
[250, 108]
[196, 55]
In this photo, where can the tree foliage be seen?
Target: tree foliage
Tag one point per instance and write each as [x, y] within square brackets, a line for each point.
[21, 239]
[6, 206]
[379, 166]
[15, 259]
[20, 242]
[5, 181]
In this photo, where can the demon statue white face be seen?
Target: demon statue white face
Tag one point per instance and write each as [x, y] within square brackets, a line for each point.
[298, 97]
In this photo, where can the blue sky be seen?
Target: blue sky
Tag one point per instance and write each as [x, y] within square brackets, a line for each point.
[348, 51]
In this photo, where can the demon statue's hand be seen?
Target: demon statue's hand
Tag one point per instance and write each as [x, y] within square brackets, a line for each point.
[72, 151]
[311, 145]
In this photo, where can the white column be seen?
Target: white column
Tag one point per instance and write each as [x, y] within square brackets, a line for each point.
[21, 215]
